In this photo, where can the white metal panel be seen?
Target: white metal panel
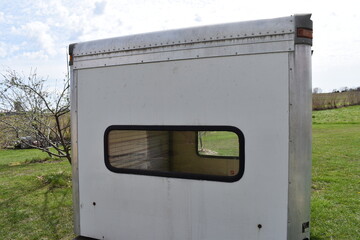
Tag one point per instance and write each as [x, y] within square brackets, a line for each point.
[248, 92]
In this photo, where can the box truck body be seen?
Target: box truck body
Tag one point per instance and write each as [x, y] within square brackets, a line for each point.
[198, 133]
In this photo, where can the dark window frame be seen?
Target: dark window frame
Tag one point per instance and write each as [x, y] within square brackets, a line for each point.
[181, 175]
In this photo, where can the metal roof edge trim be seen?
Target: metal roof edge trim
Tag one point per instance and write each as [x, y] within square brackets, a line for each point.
[208, 33]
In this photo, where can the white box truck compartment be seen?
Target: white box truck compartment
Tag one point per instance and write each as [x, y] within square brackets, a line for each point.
[198, 133]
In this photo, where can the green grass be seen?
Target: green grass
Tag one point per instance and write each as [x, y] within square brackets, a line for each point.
[220, 143]
[347, 115]
[35, 196]
[335, 203]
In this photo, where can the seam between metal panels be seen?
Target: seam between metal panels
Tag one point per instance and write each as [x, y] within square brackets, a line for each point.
[186, 54]
[168, 49]
[186, 44]
[75, 153]
[166, 60]
[290, 144]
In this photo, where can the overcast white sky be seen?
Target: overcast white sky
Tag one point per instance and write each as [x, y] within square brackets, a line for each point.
[36, 34]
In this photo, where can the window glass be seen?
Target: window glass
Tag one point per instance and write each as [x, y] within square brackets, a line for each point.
[218, 144]
[194, 152]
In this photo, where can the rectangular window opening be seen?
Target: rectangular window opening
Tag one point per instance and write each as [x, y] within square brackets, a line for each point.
[192, 152]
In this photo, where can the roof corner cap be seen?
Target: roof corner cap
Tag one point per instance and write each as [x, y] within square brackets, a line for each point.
[303, 21]
[71, 48]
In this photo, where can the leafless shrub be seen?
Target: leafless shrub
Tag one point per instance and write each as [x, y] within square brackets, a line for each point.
[28, 108]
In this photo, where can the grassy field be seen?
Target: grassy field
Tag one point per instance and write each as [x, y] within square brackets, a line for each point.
[335, 204]
[35, 196]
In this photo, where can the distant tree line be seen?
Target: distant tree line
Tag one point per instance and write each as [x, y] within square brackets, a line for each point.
[343, 89]
[346, 89]
[337, 98]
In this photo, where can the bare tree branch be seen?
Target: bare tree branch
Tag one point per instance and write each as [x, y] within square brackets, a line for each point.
[29, 110]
